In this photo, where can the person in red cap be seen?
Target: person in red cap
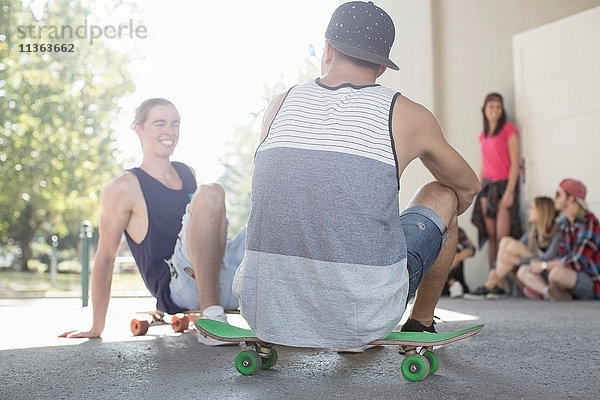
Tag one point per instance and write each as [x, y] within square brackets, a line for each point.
[576, 273]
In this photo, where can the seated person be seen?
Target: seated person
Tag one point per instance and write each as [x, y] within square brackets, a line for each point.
[456, 285]
[539, 242]
[330, 260]
[575, 274]
[176, 231]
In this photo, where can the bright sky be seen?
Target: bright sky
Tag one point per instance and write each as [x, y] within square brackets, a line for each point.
[211, 59]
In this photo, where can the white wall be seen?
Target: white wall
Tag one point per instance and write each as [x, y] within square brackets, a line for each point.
[451, 53]
[557, 86]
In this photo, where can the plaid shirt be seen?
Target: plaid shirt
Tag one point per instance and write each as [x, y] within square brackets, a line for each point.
[580, 247]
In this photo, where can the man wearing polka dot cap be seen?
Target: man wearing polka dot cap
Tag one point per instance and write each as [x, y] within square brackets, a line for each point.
[330, 261]
[363, 31]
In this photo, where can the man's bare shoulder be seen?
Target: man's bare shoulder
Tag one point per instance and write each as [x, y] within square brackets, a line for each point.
[278, 99]
[274, 105]
[414, 127]
[270, 113]
[411, 111]
[124, 187]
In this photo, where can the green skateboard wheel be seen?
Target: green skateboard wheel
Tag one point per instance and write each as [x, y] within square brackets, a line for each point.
[248, 362]
[433, 361]
[415, 368]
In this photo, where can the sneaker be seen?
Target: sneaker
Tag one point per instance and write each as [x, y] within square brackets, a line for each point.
[216, 313]
[355, 350]
[456, 290]
[554, 294]
[478, 294]
[532, 294]
[412, 325]
[496, 293]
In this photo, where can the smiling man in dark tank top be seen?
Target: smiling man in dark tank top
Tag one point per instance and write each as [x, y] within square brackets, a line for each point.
[176, 231]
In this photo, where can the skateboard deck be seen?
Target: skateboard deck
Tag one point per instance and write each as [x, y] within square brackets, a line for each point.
[420, 359]
[179, 322]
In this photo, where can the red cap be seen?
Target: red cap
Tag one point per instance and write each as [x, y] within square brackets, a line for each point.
[576, 189]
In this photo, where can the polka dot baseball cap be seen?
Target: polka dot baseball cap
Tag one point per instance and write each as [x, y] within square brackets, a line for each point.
[362, 30]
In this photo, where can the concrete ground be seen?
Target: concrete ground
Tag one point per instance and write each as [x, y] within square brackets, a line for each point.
[527, 350]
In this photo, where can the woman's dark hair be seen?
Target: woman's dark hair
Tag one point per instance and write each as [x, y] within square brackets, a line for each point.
[501, 121]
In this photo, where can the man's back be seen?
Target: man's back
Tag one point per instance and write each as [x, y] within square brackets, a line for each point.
[326, 252]
[325, 213]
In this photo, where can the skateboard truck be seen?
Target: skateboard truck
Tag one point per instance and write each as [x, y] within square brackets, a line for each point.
[418, 362]
[179, 322]
[261, 355]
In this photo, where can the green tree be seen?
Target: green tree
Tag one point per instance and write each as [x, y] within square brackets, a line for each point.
[56, 108]
[238, 161]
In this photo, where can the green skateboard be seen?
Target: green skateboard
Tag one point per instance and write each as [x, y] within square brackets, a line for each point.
[419, 362]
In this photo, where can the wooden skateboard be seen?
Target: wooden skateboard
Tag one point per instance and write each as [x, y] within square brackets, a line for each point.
[419, 362]
[179, 322]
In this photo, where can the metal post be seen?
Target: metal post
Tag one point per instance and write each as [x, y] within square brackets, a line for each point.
[85, 235]
[53, 262]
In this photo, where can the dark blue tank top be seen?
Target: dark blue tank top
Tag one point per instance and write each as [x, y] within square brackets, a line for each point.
[165, 209]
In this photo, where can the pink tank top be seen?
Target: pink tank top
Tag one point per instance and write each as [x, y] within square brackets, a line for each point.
[494, 153]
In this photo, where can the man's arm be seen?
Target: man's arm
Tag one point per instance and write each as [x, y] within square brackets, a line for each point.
[417, 133]
[582, 257]
[538, 266]
[117, 205]
[462, 256]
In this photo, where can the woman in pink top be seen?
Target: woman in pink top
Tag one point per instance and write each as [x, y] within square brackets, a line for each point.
[496, 212]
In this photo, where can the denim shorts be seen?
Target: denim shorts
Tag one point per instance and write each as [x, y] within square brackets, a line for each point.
[584, 287]
[425, 233]
[184, 291]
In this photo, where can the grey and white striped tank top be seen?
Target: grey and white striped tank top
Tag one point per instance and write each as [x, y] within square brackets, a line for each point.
[325, 262]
